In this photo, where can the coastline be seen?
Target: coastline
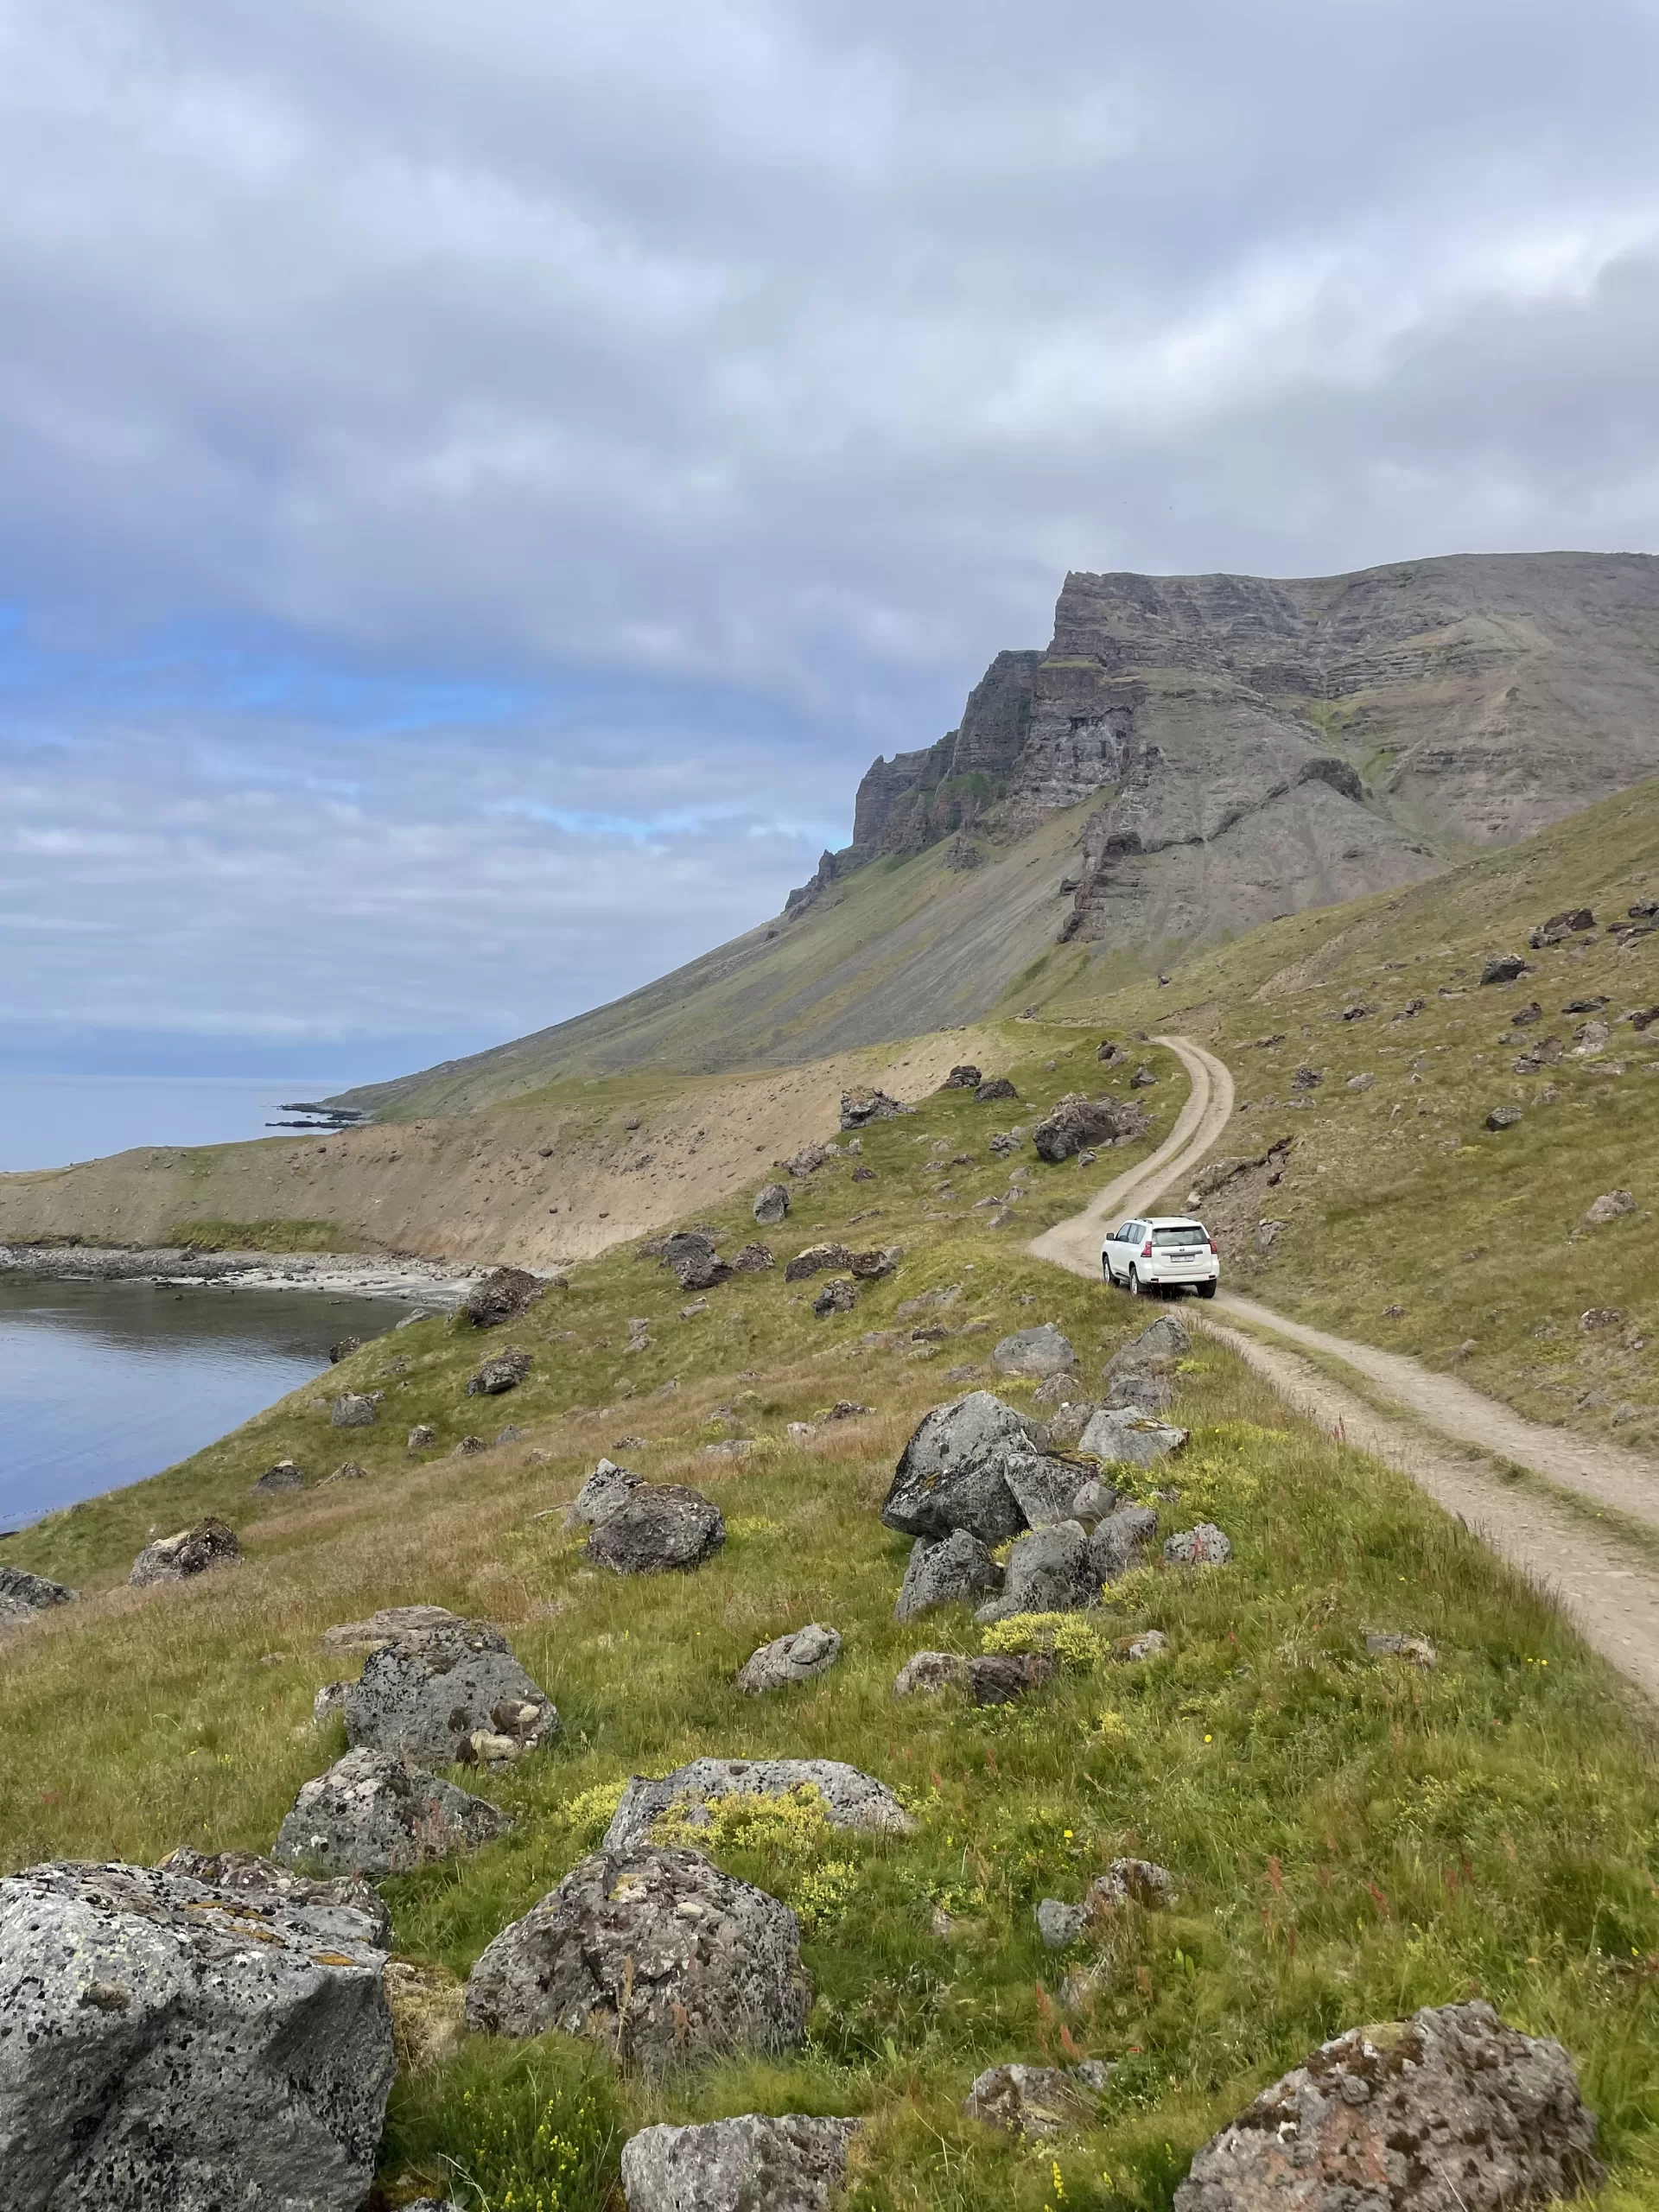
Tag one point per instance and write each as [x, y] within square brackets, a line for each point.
[428, 1282]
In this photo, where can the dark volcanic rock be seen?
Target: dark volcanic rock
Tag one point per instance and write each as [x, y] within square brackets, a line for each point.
[860, 1107]
[875, 1265]
[815, 1259]
[285, 1475]
[499, 1375]
[771, 1203]
[751, 2163]
[193, 1551]
[1049, 1571]
[371, 1814]
[1450, 2111]
[1503, 1117]
[942, 1570]
[752, 1260]
[169, 2043]
[1076, 1123]
[1561, 926]
[963, 1077]
[950, 1473]
[448, 1694]
[839, 1296]
[995, 1087]
[1121, 1540]
[23, 1595]
[605, 1492]
[662, 1528]
[655, 1956]
[1034, 2100]
[501, 1296]
[1503, 968]
[998, 1679]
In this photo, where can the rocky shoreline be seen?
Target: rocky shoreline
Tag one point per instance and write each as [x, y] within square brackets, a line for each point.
[430, 1282]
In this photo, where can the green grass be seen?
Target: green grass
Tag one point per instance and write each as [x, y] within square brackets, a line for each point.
[264, 1236]
[1350, 1837]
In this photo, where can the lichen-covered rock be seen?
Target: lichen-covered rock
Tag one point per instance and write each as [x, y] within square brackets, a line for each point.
[1126, 1881]
[1034, 2100]
[421, 1435]
[839, 1295]
[1076, 1123]
[994, 1088]
[876, 1265]
[1609, 1207]
[346, 1906]
[1204, 1546]
[355, 1410]
[951, 1474]
[1049, 1571]
[1043, 1489]
[965, 1076]
[1094, 1501]
[1121, 1540]
[499, 1375]
[23, 1596]
[771, 1203]
[862, 1106]
[927, 1674]
[816, 1260]
[656, 1956]
[448, 1694]
[752, 1260]
[751, 2163]
[385, 1627]
[371, 1814]
[800, 1657]
[605, 1492]
[1040, 1352]
[285, 1475]
[1451, 2111]
[1503, 968]
[1391, 1643]
[192, 1551]
[660, 1528]
[1503, 1117]
[165, 2043]
[942, 1571]
[1123, 1436]
[850, 1799]
[1158, 1346]
[502, 1295]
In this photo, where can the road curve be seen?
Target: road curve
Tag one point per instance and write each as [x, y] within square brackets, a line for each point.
[1606, 1582]
[1076, 1242]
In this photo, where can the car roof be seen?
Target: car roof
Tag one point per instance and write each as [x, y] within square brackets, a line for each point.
[1170, 1220]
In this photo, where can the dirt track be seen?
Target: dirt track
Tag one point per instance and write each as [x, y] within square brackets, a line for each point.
[1606, 1583]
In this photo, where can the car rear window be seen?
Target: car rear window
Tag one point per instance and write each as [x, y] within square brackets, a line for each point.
[1192, 1232]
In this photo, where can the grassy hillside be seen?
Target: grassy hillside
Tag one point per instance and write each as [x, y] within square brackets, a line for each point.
[1406, 1222]
[1350, 1836]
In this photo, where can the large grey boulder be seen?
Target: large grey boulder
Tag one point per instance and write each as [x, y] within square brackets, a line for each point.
[944, 1571]
[355, 1410]
[346, 1906]
[499, 1375]
[655, 1956]
[661, 1528]
[191, 1552]
[863, 1105]
[950, 1473]
[1040, 1352]
[23, 1596]
[502, 1295]
[1123, 1436]
[447, 1695]
[771, 1203]
[164, 2044]
[605, 1492]
[1155, 1351]
[751, 2163]
[850, 1799]
[800, 1657]
[1451, 2111]
[1049, 1571]
[1121, 1540]
[1044, 1489]
[1078, 1122]
[371, 1814]
[929, 1674]
[815, 1259]
[285, 1475]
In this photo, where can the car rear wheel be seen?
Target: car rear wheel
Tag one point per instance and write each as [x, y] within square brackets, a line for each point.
[1135, 1290]
[1206, 1290]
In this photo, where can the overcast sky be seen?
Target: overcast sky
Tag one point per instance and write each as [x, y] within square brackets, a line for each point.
[480, 479]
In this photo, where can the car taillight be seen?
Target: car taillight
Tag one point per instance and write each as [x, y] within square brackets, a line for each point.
[1212, 1243]
[1145, 1250]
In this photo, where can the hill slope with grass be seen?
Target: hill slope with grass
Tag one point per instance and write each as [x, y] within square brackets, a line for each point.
[1393, 1213]
[1349, 1835]
[1189, 757]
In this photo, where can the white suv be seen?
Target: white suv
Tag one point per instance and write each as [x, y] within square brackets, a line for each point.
[1165, 1252]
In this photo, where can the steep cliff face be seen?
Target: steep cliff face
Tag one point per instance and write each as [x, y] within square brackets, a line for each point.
[1261, 744]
